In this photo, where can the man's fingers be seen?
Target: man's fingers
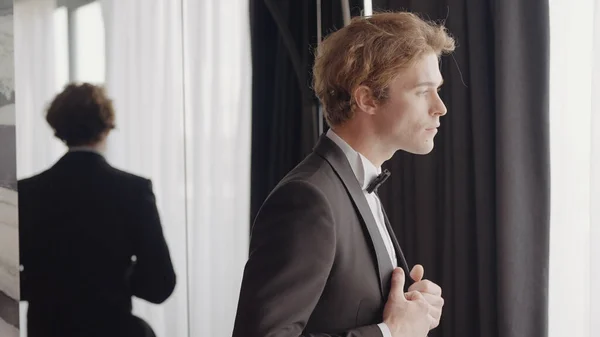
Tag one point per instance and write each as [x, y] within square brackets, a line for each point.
[426, 286]
[433, 300]
[417, 273]
[433, 322]
[435, 311]
[414, 296]
[397, 289]
[436, 314]
[431, 304]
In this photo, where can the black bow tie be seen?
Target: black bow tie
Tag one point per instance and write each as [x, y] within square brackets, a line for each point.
[380, 179]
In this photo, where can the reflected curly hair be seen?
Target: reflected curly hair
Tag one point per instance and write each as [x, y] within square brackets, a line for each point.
[81, 114]
[371, 51]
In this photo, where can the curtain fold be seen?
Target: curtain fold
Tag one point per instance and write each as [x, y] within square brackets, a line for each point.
[522, 50]
[36, 84]
[180, 75]
[144, 76]
[37, 80]
[283, 109]
[218, 75]
[285, 115]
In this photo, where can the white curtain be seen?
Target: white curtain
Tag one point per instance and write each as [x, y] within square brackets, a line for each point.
[179, 74]
[35, 85]
[594, 239]
[574, 289]
[37, 80]
[201, 177]
[218, 110]
[144, 76]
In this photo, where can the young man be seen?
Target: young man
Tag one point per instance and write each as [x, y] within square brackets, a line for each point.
[90, 234]
[323, 259]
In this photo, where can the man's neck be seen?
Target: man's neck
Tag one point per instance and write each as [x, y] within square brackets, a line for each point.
[364, 142]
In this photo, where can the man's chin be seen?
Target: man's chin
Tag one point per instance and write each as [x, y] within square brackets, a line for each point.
[422, 150]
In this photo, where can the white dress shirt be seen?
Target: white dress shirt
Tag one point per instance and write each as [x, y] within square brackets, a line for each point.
[85, 148]
[365, 172]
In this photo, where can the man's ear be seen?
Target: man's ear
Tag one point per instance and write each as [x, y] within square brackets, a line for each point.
[365, 100]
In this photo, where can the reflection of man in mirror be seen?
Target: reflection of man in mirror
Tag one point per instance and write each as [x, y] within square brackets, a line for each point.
[90, 235]
[324, 260]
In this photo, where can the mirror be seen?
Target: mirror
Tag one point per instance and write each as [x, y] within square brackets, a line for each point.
[89, 285]
[179, 82]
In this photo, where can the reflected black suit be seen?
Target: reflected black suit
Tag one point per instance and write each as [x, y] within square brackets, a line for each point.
[81, 222]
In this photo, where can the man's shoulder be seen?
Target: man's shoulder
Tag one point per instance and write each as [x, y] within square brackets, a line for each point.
[122, 176]
[104, 174]
[314, 171]
[26, 182]
[305, 191]
[312, 178]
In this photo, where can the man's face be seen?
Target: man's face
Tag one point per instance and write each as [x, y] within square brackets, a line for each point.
[409, 118]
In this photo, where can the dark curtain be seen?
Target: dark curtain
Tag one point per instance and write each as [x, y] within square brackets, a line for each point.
[284, 109]
[475, 212]
[281, 103]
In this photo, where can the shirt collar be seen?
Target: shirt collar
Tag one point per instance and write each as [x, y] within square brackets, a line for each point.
[85, 149]
[362, 167]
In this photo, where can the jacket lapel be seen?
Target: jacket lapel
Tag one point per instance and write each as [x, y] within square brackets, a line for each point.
[399, 253]
[327, 149]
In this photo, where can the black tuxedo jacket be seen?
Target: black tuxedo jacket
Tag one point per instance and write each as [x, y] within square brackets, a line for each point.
[81, 222]
[318, 265]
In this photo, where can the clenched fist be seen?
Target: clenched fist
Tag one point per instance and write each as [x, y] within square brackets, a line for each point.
[432, 293]
[406, 315]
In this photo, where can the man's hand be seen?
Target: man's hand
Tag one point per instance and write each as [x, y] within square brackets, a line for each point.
[432, 293]
[406, 315]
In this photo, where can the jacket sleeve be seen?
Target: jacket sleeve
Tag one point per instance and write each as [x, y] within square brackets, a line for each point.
[153, 277]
